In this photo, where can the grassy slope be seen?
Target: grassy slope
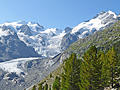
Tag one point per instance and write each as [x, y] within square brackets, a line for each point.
[102, 39]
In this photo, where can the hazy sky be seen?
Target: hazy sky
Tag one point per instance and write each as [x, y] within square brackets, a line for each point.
[55, 13]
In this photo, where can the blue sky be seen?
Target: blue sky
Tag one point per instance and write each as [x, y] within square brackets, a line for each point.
[55, 13]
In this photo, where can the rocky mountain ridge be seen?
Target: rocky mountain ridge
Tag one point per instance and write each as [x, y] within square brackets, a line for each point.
[52, 41]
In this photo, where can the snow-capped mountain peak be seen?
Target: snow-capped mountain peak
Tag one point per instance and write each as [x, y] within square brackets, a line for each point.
[99, 22]
[112, 13]
[47, 42]
[50, 31]
[16, 25]
[95, 24]
[5, 32]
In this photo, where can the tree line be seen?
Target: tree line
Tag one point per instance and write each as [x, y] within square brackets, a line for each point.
[96, 70]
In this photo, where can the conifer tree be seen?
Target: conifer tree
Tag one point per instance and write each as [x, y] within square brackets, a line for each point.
[50, 87]
[90, 74]
[46, 87]
[105, 72]
[56, 84]
[40, 86]
[95, 71]
[71, 74]
[113, 66]
[34, 87]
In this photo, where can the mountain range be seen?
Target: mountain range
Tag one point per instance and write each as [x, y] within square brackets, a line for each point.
[29, 52]
[47, 42]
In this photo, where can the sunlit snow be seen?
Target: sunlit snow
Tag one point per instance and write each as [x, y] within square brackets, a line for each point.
[96, 23]
[12, 65]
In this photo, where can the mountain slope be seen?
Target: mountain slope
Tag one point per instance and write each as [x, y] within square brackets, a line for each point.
[12, 47]
[101, 39]
[100, 22]
[46, 42]
[17, 74]
[52, 41]
[104, 40]
[21, 39]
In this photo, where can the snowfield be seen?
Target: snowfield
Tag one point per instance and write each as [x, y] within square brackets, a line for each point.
[13, 65]
[96, 23]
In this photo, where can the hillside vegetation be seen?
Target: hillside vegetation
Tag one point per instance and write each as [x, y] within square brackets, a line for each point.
[101, 39]
[95, 67]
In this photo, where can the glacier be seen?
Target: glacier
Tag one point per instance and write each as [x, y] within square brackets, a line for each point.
[48, 42]
[13, 65]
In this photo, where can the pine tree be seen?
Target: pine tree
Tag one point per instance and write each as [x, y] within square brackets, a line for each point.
[113, 66]
[40, 86]
[66, 74]
[71, 74]
[105, 72]
[46, 87]
[50, 87]
[34, 87]
[95, 71]
[56, 84]
[76, 74]
[90, 74]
